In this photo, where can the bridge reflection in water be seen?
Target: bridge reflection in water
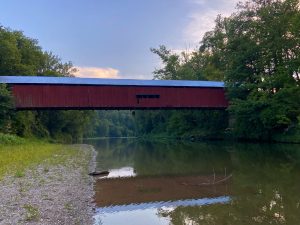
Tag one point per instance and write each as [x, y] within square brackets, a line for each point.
[152, 183]
[135, 190]
[134, 199]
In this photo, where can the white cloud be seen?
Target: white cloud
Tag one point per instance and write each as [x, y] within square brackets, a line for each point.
[202, 18]
[96, 72]
[137, 76]
[199, 24]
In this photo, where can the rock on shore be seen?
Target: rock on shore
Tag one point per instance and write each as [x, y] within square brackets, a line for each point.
[51, 195]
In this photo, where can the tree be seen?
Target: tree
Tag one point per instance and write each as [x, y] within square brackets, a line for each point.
[183, 66]
[259, 50]
[20, 55]
[196, 65]
[5, 108]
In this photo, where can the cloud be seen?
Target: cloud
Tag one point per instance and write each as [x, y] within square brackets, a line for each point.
[202, 18]
[97, 72]
[199, 24]
[137, 76]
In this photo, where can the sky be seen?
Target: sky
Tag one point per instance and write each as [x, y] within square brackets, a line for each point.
[112, 38]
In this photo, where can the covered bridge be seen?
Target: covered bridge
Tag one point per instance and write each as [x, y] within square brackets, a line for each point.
[33, 92]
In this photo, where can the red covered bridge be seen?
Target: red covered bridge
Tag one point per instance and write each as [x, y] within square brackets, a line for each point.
[31, 92]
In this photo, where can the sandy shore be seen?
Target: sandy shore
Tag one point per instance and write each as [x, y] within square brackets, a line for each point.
[55, 195]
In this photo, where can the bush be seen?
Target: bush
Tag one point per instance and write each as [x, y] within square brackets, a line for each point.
[8, 139]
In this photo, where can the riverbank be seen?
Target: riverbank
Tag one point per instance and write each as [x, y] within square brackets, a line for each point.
[290, 137]
[57, 190]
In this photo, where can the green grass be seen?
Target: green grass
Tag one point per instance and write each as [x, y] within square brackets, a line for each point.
[19, 173]
[16, 157]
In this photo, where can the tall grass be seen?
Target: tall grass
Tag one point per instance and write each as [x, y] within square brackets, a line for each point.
[17, 156]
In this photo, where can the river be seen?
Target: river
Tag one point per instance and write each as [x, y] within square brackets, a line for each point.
[174, 182]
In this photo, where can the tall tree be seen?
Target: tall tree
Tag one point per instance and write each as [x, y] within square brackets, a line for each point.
[20, 55]
[195, 65]
[259, 49]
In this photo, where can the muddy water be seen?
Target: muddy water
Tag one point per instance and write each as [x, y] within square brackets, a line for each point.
[197, 183]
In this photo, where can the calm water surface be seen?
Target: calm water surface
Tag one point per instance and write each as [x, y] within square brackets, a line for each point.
[197, 183]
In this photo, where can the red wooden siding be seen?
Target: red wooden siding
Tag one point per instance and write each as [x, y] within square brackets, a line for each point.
[42, 96]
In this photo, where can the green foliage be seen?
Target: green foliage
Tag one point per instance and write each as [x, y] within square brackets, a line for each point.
[183, 123]
[197, 65]
[8, 139]
[112, 124]
[67, 126]
[5, 108]
[19, 174]
[20, 55]
[256, 51]
[258, 48]
[185, 66]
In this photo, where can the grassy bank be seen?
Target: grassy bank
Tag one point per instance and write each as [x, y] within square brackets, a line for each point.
[17, 154]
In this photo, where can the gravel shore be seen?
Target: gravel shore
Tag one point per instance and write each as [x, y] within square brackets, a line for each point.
[51, 195]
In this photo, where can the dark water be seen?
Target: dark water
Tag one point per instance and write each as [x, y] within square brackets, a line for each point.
[197, 183]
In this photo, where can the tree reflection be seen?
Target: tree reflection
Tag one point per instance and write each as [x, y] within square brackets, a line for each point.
[265, 190]
[264, 187]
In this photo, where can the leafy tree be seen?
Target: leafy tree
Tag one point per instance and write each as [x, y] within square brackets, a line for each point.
[20, 55]
[257, 52]
[258, 48]
[113, 124]
[183, 66]
[5, 108]
[197, 65]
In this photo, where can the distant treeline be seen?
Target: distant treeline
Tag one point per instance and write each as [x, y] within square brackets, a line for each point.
[256, 51]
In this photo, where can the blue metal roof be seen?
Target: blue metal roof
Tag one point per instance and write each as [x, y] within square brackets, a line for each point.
[101, 81]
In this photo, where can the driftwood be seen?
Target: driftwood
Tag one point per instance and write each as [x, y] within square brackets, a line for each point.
[210, 183]
[99, 173]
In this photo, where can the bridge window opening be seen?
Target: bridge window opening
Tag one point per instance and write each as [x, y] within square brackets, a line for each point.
[147, 96]
[142, 96]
